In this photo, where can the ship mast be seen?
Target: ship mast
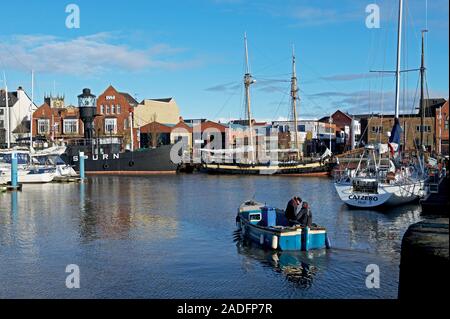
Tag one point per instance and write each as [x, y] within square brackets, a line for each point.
[7, 122]
[397, 71]
[294, 96]
[31, 111]
[248, 80]
[422, 98]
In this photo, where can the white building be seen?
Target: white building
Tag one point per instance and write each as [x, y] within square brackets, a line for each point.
[19, 115]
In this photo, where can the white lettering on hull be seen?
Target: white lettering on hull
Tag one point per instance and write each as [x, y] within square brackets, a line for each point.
[75, 158]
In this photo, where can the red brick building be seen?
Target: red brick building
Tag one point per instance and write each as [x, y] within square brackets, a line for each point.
[113, 115]
[343, 123]
[442, 129]
[57, 123]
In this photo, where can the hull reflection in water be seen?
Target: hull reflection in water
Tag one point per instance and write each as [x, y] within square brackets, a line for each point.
[298, 268]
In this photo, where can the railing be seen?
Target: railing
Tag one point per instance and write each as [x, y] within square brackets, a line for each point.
[435, 178]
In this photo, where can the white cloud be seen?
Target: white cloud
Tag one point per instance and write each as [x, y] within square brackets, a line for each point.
[87, 55]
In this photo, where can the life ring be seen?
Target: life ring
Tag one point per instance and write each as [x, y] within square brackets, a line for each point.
[105, 166]
[131, 163]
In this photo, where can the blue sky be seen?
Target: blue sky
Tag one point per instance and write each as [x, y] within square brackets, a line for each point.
[193, 50]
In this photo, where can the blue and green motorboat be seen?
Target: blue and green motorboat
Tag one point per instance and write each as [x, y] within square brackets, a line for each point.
[270, 228]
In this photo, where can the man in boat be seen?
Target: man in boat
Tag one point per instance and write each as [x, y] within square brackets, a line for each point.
[304, 217]
[292, 208]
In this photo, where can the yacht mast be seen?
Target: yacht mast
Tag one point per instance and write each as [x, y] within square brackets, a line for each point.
[422, 98]
[248, 80]
[294, 96]
[7, 121]
[397, 71]
[31, 110]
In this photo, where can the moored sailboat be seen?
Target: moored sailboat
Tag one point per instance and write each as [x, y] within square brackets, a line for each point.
[381, 177]
[251, 165]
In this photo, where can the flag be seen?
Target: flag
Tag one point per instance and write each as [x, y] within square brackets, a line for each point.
[394, 139]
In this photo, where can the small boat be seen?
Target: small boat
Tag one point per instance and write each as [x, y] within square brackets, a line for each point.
[270, 228]
[26, 173]
[29, 175]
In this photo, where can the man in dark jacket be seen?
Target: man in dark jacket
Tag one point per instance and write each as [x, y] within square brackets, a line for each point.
[291, 208]
[304, 217]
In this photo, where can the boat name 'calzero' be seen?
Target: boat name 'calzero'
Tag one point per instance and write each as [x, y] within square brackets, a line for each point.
[363, 197]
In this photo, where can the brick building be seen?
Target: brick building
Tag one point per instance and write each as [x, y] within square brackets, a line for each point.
[343, 122]
[57, 124]
[442, 129]
[113, 117]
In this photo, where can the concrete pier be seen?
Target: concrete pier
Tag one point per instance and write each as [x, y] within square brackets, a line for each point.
[424, 260]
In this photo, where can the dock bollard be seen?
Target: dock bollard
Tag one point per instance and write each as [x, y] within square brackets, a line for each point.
[14, 164]
[81, 159]
[306, 238]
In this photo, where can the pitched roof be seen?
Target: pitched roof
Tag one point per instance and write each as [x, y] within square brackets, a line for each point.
[164, 100]
[131, 100]
[12, 98]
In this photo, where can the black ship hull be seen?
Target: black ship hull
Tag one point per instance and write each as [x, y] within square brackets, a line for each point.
[311, 169]
[146, 161]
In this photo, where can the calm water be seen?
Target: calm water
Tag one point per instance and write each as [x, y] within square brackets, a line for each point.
[174, 237]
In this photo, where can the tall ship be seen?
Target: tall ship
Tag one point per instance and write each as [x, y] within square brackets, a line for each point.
[251, 165]
[384, 175]
[101, 158]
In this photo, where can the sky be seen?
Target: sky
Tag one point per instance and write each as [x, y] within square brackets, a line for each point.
[193, 50]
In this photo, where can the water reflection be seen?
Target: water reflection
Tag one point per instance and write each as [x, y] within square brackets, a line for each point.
[373, 230]
[174, 231]
[297, 267]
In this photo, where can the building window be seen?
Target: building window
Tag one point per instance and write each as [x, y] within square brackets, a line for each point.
[377, 129]
[107, 109]
[71, 126]
[2, 112]
[426, 128]
[2, 124]
[446, 124]
[113, 109]
[102, 109]
[125, 124]
[43, 126]
[118, 109]
[111, 126]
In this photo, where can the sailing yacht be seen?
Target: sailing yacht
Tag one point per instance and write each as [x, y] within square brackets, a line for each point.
[251, 165]
[381, 178]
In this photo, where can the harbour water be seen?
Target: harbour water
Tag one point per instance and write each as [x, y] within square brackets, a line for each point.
[174, 237]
